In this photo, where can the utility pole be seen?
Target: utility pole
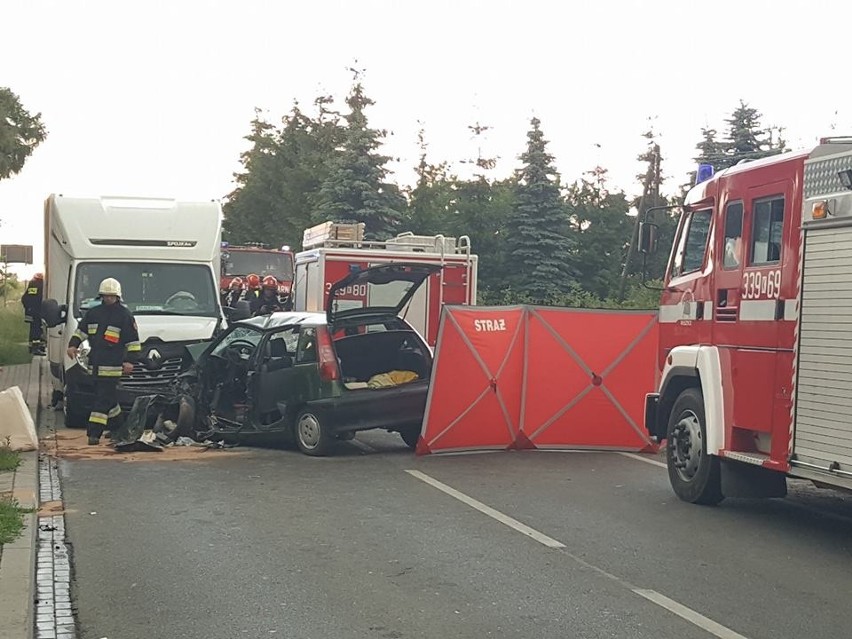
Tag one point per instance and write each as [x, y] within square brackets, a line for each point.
[650, 193]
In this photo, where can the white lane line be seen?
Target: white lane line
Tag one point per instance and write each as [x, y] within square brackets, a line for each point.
[689, 614]
[487, 510]
[644, 459]
[653, 596]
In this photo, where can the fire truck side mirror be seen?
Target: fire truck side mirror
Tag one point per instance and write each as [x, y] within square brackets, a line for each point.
[648, 238]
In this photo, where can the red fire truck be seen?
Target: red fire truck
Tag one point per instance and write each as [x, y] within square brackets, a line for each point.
[241, 261]
[755, 319]
[333, 250]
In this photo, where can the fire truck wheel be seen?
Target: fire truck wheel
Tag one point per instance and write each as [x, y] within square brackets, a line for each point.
[311, 434]
[695, 476]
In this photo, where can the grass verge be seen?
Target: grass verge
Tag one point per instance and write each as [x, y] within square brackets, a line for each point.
[11, 520]
[14, 332]
[9, 459]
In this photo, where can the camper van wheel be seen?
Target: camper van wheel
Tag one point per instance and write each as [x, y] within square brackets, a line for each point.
[410, 436]
[694, 475]
[311, 434]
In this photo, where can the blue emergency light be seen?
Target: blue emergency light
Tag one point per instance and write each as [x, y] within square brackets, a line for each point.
[225, 244]
[704, 173]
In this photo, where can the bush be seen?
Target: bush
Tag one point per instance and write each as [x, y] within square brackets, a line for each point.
[638, 297]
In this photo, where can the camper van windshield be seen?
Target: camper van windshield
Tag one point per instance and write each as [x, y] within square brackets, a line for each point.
[150, 289]
[242, 263]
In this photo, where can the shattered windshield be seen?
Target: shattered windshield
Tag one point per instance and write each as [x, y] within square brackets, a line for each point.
[244, 335]
[151, 289]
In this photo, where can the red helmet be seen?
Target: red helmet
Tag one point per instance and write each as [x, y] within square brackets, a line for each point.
[236, 283]
[253, 281]
[269, 282]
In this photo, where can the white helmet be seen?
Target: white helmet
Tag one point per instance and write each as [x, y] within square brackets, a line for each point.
[110, 286]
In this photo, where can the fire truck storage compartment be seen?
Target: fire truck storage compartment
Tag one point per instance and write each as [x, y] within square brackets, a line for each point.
[823, 433]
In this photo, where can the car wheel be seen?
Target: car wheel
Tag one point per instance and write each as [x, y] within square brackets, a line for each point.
[695, 476]
[75, 417]
[410, 436]
[311, 434]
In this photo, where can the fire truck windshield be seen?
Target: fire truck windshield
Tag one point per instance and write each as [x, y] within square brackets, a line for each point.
[692, 243]
[242, 263]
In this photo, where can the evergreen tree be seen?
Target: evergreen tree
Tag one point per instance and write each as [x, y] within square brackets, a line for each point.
[278, 189]
[356, 188]
[745, 139]
[251, 201]
[430, 199]
[20, 133]
[481, 209]
[602, 230]
[710, 149]
[540, 246]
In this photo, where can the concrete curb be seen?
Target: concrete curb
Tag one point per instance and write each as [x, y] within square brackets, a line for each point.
[18, 561]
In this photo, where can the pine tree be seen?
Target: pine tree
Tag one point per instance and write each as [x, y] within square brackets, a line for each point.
[745, 140]
[356, 188]
[541, 248]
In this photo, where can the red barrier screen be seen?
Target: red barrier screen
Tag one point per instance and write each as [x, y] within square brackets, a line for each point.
[531, 377]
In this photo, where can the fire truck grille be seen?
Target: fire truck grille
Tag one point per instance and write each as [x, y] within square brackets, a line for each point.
[821, 177]
[142, 377]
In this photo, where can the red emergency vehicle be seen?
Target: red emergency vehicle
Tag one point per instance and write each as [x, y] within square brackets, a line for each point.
[334, 250]
[755, 326]
[258, 259]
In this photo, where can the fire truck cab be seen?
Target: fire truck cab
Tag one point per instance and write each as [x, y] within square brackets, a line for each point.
[755, 354]
[260, 259]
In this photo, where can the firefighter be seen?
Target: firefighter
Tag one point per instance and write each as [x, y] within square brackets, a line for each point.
[114, 342]
[234, 293]
[267, 302]
[252, 288]
[31, 300]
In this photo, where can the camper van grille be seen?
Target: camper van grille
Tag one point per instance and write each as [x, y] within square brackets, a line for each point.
[144, 377]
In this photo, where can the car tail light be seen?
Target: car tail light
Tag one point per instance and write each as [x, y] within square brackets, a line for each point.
[328, 369]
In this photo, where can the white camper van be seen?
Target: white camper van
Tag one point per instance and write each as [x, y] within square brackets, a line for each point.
[164, 253]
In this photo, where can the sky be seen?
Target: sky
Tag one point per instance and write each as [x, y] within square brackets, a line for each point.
[154, 98]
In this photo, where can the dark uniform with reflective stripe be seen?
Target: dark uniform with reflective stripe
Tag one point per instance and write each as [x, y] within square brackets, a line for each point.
[113, 339]
[31, 300]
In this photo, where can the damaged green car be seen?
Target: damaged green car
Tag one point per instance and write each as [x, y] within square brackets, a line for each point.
[314, 378]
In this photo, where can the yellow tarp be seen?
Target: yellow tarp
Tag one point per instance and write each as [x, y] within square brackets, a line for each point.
[392, 378]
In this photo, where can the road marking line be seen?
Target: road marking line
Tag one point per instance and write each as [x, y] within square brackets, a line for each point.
[653, 596]
[487, 510]
[643, 459]
[689, 614]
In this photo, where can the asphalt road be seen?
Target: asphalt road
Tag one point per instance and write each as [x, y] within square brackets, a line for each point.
[272, 543]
